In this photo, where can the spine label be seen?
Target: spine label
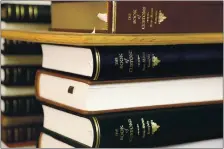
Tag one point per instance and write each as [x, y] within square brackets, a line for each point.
[160, 17]
[158, 127]
[130, 129]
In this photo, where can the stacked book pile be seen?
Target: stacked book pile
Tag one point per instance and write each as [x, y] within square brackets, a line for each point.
[126, 95]
[21, 113]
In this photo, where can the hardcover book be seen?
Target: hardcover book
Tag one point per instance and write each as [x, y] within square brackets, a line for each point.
[147, 128]
[138, 16]
[134, 62]
[88, 97]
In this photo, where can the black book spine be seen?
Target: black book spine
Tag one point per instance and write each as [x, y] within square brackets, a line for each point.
[131, 62]
[21, 106]
[16, 47]
[18, 75]
[26, 13]
[21, 133]
[158, 127]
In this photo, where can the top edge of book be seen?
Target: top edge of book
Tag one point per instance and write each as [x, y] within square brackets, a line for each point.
[99, 39]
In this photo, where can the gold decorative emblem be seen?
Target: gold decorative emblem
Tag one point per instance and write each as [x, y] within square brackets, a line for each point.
[155, 61]
[155, 127]
[162, 17]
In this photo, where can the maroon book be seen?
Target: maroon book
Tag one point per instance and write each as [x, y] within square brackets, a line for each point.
[139, 16]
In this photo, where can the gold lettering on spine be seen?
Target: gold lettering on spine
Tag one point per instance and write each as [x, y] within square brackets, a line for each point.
[9, 11]
[97, 126]
[143, 127]
[97, 65]
[121, 58]
[131, 59]
[131, 130]
[151, 16]
[148, 126]
[143, 18]
[116, 61]
[30, 11]
[35, 12]
[139, 60]
[22, 11]
[138, 129]
[149, 60]
[146, 17]
[116, 132]
[156, 17]
[122, 132]
[17, 12]
[135, 12]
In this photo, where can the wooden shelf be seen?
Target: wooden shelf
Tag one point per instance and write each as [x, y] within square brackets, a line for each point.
[85, 39]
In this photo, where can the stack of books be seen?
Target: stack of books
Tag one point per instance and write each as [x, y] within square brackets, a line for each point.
[132, 96]
[21, 113]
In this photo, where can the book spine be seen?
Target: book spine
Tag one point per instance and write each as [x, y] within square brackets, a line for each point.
[18, 75]
[16, 47]
[21, 133]
[158, 127]
[167, 17]
[20, 106]
[26, 13]
[156, 61]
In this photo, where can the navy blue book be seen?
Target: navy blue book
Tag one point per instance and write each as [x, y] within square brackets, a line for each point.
[134, 62]
[147, 128]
